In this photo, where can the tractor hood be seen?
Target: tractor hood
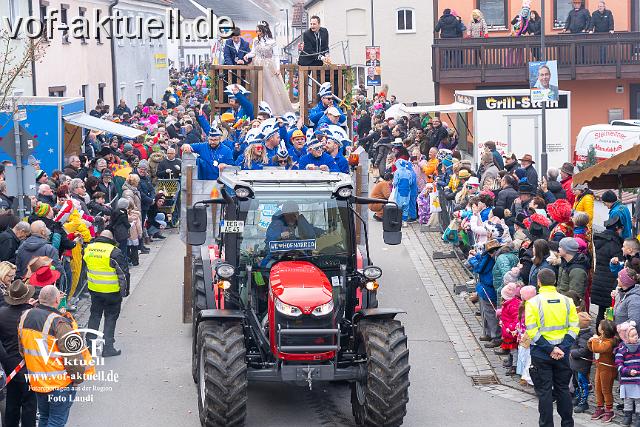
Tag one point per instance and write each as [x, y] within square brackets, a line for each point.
[301, 284]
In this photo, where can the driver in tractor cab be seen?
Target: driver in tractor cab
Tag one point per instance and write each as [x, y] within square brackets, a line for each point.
[289, 224]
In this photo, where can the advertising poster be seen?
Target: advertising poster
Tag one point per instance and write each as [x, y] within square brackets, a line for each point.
[372, 65]
[543, 81]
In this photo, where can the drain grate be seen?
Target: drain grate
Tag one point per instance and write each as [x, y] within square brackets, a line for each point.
[479, 380]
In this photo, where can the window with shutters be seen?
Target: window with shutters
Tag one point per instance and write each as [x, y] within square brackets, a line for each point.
[405, 21]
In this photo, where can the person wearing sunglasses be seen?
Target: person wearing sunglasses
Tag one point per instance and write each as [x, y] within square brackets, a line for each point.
[318, 159]
[255, 157]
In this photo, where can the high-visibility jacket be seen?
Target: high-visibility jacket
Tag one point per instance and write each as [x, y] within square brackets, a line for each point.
[42, 356]
[552, 316]
[101, 276]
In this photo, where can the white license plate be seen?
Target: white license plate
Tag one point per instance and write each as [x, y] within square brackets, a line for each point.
[232, 227]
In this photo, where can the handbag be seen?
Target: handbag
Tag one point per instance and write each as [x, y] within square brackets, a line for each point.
[434, 203]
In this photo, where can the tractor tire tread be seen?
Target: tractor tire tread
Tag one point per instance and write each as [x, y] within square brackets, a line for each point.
[225, 400]
[386, 389]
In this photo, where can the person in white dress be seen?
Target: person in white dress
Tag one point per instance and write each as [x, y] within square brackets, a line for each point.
[266, 52]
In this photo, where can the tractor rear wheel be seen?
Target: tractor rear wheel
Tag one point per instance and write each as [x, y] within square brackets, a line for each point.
[222, 373]
[198, 303]
[380, 399]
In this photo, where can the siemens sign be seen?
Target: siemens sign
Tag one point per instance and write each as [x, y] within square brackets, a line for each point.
[518, 103]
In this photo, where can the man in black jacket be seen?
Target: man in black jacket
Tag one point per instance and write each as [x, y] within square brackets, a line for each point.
[438, 134]
[508, 193]
[10, 241]
[315, 44]
[448, 26]
[601, 20]
[607, 245]
[579, 19]
[21, 401]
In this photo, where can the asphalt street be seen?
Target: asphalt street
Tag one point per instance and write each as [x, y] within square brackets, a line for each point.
[154, 385]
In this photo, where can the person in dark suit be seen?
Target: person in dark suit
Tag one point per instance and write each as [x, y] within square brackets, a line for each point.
[315, 44]
[235, 50]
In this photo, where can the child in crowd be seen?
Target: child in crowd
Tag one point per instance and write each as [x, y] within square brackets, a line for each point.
[630, 250]
[509, 323]
[482, 263]
[524, 355]
[603, 345]
[580, 360]
[424, 204]
[627, 360]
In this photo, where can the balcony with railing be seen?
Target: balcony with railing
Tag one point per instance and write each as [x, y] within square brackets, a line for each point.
[505, 59]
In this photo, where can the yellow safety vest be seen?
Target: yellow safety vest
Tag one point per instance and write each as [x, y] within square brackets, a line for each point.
[101, 277]
[551, 315]
[47, 372]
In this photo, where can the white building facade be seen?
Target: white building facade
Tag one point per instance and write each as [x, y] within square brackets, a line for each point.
[75, 67]
[13, 9]
[402, 28]
[141, 65]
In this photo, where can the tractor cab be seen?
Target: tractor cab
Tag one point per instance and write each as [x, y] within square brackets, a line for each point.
[285, 270]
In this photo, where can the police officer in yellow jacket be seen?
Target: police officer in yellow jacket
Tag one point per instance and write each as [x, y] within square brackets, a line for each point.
[108, 283]
[54, 354]
[551, 320]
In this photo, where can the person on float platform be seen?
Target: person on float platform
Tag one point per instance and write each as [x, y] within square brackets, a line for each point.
[240, 104]
[264, 110]
[340, 135]
[317, 159]
[333, 146]
[253, 135]
[213, 156]
[326, 100]
[297, 148]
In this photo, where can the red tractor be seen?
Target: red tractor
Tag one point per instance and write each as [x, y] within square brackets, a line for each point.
[285, 294]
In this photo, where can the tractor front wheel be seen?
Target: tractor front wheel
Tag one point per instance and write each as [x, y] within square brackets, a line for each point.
[222, 373]
[381, 397]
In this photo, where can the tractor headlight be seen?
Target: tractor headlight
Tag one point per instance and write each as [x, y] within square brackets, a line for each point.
[372, 272]
[345, 192]
[286, 309]
[323, 309]
[225, 271]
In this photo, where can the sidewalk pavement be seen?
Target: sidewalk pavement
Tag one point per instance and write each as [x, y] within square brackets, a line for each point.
[137, 273]
[444, 280]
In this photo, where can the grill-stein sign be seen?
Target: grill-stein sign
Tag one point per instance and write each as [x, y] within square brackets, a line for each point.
[518, 103]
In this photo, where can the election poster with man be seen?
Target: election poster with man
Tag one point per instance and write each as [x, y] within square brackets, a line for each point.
[543, 81]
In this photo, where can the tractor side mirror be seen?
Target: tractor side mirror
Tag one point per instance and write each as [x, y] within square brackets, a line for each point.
[196, 225]
[392, 224]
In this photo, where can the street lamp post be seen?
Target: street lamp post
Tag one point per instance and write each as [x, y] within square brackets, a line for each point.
[543, 57]
[286, 11]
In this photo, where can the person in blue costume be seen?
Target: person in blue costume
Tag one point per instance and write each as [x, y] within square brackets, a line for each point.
[213, 156]
[317, 159]
[333, 147]
[298, 147]
[330, 117]
[326, 100]
[405, 185]
[253, 135]
[240, 104]
[255, 157]
[283, 159]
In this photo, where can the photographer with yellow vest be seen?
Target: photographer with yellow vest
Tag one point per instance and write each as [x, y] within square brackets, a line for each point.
[55, 355]
[108, 283]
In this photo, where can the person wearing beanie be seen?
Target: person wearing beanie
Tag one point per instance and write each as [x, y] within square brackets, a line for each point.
[552, 324]
[627, 360]
[42, 210]
[574, 267]
[607, 245]
[510, 294]
[580, 361]
[560, 213]
[616, 208]
[627, 297]
[566, 180]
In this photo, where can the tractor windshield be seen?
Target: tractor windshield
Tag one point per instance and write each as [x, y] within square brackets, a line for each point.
[314, 229]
